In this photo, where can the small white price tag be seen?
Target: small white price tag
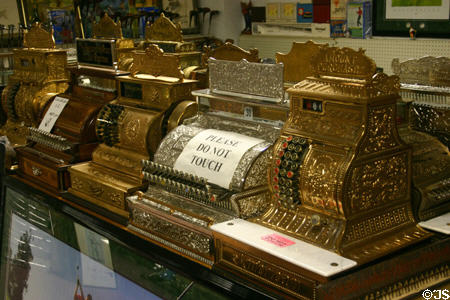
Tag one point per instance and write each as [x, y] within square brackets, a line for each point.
[53, 113]
[248, 112]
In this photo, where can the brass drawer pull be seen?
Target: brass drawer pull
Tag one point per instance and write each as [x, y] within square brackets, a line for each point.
[36, 171]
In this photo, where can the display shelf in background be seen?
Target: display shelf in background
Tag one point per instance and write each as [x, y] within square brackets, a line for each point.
[380, 49]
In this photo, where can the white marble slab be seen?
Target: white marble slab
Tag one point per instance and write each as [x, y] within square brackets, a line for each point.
[439, 224]
[294, 251]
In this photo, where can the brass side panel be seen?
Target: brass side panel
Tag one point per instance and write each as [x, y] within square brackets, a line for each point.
[101, 185]
[123, 160]
[377, 183]
[340, 123]
[263, 269]
[166, 225]
[297, 63]
[229, 51]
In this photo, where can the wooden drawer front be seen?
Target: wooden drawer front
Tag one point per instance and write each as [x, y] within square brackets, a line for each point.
[40, 172]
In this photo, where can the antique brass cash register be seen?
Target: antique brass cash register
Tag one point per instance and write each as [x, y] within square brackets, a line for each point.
[168, 36]
[425, 91]
[213, 168]
[339, 178]
[71, 138]
[152, 100]
[39, 74]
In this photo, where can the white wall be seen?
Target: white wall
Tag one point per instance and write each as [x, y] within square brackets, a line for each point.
[229, 23]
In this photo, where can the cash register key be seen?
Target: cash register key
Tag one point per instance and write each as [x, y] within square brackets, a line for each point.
[315, 220]
[291, 147]
[287, 155]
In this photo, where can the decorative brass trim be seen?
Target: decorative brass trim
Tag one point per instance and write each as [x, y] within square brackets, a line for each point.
[107, 28]
[246, 79]
[172, 246]
[190, 239]
[256, 267]
[38, 37]
[154, 62]
[229, 51]
[163, 30]
[427, 71]
[411, 285]
[343, 62]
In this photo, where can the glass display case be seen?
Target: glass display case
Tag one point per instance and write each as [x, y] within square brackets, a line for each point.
[53, 251]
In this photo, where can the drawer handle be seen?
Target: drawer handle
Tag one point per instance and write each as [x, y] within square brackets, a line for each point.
[36, 171]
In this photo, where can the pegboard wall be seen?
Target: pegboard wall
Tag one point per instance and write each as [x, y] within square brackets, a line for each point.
[381, 49]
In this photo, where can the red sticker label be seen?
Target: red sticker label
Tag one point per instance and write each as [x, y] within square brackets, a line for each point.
[277, 240]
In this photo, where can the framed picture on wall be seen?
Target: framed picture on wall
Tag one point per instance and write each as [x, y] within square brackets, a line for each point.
[429, 18]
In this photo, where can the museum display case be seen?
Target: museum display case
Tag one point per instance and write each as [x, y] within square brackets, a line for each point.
[51, 250]
[152, 100]
[213, 167]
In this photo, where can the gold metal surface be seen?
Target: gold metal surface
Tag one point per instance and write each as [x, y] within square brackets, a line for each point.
[39, 74]
[297, 63]
[154, 62]
[163, 30]
[38, 37]
[340, 175]
[229, 51]
[182, 111]
[107, 28]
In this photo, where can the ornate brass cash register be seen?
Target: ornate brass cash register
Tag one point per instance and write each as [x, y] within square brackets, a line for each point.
[212, 168]
[152, 100]
[425, 91]
[339, 178]
[39, 74]
[71, 137]
[169, 38]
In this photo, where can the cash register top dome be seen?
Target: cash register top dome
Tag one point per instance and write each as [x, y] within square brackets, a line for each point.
[348, 74]
[38, 37]
[163, 30]
[107, 28]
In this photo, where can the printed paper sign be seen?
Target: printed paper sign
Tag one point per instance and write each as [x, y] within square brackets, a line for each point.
[53, 113]
[214, 155]
[277, 240]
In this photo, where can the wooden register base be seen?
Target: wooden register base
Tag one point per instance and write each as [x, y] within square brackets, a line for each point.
[405, 273]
